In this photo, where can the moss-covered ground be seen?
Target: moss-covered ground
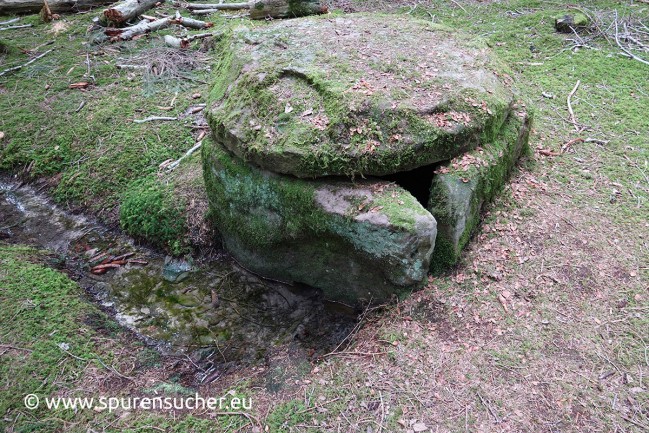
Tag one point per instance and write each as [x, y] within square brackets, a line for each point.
[541, 327]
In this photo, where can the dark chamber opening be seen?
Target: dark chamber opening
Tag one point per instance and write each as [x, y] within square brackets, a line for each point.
[417, 182]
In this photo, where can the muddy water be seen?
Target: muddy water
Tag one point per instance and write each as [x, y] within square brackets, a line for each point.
[216, 312]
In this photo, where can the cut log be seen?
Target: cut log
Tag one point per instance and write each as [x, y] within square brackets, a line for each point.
[8, 7]
[143, 27]
[126, 10]
[218, 6]
[262, 9]
[191, 23]
[175, 42]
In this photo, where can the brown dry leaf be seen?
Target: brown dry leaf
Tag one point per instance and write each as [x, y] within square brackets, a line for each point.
[548, 152]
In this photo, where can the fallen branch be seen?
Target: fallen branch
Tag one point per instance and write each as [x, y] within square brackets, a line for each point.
[627, 52]
[488, 407]
[218, 6]
[568, 100]
[204, 11]
[262, 9]
[130, 67]
[101, 269]
[127, 10]
[187, 154]
[153, 118]
[191, 23]
[570, 143]
[140, 28]
[548, 152]
[15, 27]
[13, 20]
[175, 42]
[596, 141]
[56, 6]
[16, 68]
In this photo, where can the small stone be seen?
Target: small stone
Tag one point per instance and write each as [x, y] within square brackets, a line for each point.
[419, 427]
[176, 270]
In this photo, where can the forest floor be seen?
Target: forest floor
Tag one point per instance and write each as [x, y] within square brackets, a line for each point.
[543, 326]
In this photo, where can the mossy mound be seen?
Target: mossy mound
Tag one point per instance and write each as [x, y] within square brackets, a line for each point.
[364, 240]
[358, 94]
[462, 186]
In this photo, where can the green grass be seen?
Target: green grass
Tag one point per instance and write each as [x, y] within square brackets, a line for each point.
[85, 141]
[42, 309]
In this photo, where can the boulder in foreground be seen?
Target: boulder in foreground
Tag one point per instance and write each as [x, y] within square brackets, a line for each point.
[361, 241]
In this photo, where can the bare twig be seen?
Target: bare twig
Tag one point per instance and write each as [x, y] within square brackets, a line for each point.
[9, 346]
[13, 20]
[488, 407]
[570, 143]
[346, 353]
[114, 370]
[568, 100]
[619, 44]
[175, 164]
[16, 68]
[154, 118]
[458, 5]
[15, 27]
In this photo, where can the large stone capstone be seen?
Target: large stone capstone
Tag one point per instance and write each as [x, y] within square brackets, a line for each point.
[358, 94]
[308, 114]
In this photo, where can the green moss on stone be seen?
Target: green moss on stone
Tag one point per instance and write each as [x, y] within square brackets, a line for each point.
[460, 190]
[283, 102]
[362, 240]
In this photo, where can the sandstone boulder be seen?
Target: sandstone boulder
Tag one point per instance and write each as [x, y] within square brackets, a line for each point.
[357, 241]
[357, 94]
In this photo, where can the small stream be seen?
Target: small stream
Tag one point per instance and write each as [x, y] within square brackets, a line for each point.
[216, 312]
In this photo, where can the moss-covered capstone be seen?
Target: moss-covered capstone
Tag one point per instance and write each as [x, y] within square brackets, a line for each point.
[306, 113]
[357, 94]
[363, 240]
[462, 186]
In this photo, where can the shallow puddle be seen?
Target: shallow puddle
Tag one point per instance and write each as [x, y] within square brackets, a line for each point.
[216, 312]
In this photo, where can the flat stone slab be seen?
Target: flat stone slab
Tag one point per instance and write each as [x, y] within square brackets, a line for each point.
[462, 186]
[356, 94]
[360, 241]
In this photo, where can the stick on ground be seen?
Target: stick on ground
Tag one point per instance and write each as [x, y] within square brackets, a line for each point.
[572, 113]
[16, 68]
